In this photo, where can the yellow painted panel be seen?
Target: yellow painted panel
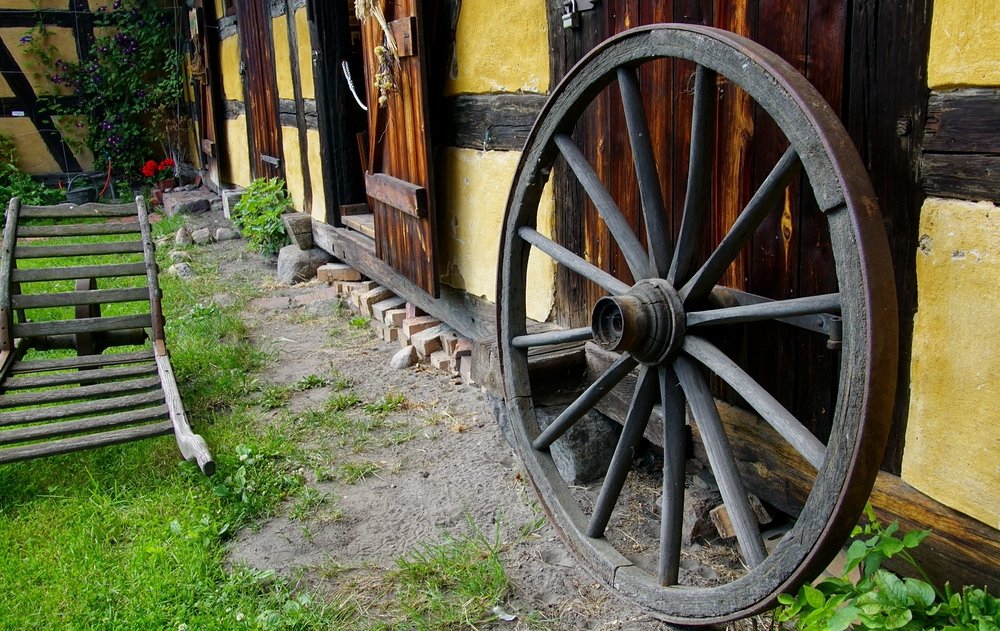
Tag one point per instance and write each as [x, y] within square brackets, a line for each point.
[501, 47]
[965, 44]
[74, 131]
[237, 152]
[305, 54]
[59, 37]
[316, 175]
[293, 167]
[32, 153]
[282, 58]
[31, 4]
[229, 60]
[476, 185]
[5, 90]
[953, 430]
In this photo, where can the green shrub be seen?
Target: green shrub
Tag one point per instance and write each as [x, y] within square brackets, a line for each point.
[16, 183]
[258, 214]
[880, 599]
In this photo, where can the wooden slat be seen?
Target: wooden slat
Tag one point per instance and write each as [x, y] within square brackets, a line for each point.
[38, 415]
[36, 432]
[82, 325]
[78, 271]
[963, 121]
[70, 445]
[78, 230]
[962, 176]
[80, 377]
[365, 224]
[81, 249]
[81, 392]
[88, 361]
[72, 298]
[70, 211]
[399, 194]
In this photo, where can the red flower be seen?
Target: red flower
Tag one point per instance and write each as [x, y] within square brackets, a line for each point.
[150, 168]
[167, 163]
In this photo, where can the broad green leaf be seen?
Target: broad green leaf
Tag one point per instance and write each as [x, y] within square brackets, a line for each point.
[919, 591]
[843, 619]
[854, 555]
[891, 546]
[814, 597]
[786, 599]
[913, 538]
[891, 589]
[897, 618]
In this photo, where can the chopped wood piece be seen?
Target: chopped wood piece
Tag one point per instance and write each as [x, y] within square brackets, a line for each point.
[412, 326]
[441, 360]
[395, 317]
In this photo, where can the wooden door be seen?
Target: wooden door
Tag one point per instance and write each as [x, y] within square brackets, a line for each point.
[204, 70]
[789, 255]
[399, 177]
[260, 90]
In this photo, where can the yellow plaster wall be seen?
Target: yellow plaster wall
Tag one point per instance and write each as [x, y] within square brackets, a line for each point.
[476, 185]
[501, 47]
[229, 60]
[953, 433]
[5, 90]
[59, 37]
[237, 152]
[282, 58]
[965, 44]
[293, 166]
[305, 54]
[316, 174]
[32, 154]
[30, 4]
[74, 130]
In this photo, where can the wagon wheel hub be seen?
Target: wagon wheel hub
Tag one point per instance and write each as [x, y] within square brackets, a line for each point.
[647, 322]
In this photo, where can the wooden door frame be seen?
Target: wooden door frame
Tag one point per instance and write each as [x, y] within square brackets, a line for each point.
[256, 168]
[343, 181]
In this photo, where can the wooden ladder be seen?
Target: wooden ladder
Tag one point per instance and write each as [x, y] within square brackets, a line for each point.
[58, 266]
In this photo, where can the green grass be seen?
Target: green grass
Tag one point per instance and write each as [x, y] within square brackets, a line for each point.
[127, 537]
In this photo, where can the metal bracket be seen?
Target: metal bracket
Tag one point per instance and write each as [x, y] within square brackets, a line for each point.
[572, 10]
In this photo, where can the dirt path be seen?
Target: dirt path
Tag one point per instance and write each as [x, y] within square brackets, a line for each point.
[431, 460]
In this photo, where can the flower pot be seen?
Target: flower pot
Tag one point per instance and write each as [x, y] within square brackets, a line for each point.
[167, 184]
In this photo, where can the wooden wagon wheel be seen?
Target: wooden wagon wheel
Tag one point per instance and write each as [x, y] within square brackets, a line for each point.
[655, 325]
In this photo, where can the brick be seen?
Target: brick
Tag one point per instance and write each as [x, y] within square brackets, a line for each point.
[395, 317]
[415, 325]
[413, 311]
[465, 369]
[441, 360]
[449, 340]
[371, 297]
[380, 308]
[336, 272]
[388, 334]
[428, 340]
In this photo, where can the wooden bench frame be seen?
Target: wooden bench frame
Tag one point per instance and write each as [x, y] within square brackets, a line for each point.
[119, 396]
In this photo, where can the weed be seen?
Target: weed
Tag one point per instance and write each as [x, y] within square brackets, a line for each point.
[354, 472]
[389, 402]
[274, 397]
[308, 503]
[309, 382]
[342, 401]
[360, 322]
[340, 382]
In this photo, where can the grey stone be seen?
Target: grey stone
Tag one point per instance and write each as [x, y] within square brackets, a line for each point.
[226, 234]
[324, 307]
[216, 205]
[202, 236]
[229, 199]
[296, 266]
[183, 270]
[179, 256]
[583, 453]
[183, 237]
[404, 358]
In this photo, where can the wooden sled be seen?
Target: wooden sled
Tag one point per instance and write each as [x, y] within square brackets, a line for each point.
[110, 392]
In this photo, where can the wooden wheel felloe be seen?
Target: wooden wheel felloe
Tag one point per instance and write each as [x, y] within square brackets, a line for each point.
[662, 326]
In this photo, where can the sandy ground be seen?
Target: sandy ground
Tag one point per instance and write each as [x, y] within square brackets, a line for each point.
[442, 467]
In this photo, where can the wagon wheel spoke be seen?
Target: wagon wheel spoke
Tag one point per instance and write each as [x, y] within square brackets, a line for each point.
[571, 261]
[771, 310]
[672, 511]
[720, 457]
[643, 399]
[783, 422]
[764, 200]
[699, 179]
[631, 247]
[650, 194]
[586, 401]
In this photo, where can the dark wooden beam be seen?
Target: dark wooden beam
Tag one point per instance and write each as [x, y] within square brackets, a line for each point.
[961, 149]
[300, 114]
[489, 122]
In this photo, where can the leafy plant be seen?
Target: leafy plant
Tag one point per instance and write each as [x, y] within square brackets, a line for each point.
[258, 214]
[389, 402]
[309, 382]
[16, 183]
[880, 599]
[125, 88]
[360, 322]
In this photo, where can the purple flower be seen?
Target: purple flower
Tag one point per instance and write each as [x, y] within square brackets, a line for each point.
[26, 40]
[117, 5]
